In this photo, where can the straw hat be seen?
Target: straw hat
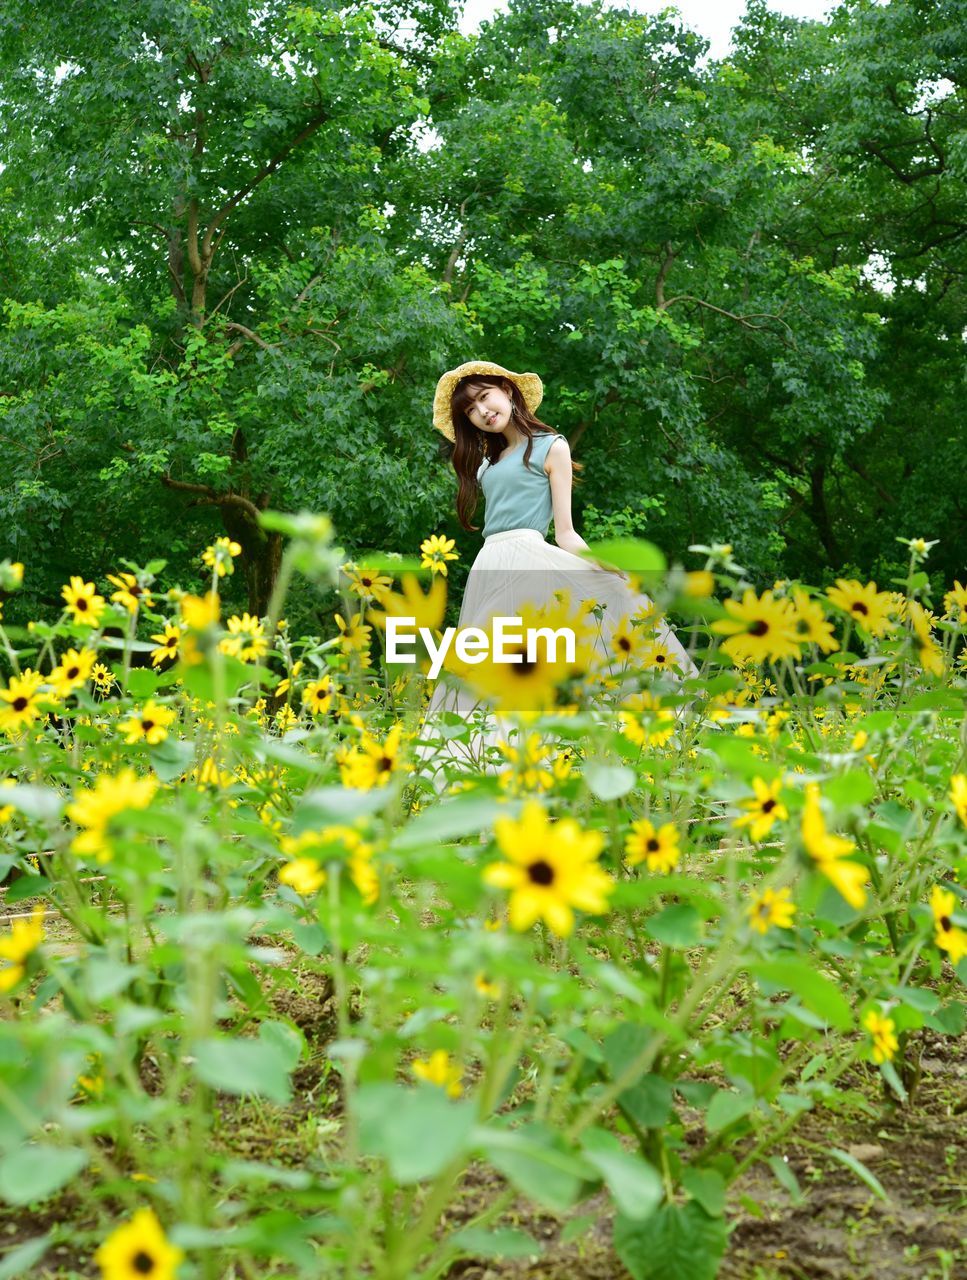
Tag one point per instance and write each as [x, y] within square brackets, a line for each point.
[529, 385]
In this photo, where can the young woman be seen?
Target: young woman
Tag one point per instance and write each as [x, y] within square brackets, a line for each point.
[524, 469]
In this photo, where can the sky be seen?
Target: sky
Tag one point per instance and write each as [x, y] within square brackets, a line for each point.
[713, 19]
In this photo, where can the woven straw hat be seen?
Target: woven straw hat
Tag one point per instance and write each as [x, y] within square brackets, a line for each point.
[529, 385]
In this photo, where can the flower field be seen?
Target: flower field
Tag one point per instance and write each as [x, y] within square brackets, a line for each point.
[290, 988]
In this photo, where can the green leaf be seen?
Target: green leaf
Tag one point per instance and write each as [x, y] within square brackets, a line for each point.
[417, 1130]
[861, 1171]
[19, 1261]
[648, 1102]
[43, 804]
[853, 788]
[632, 554]
[677, 926]
[243, 1066]
[505, 1242]
[609, 781]
[726, 1107]
[786, 1178]
[450, 820]
[142, 683]
[706, 1187]
[634, 1183]
[36, 1171]
[814, 989]
[679, 1242]
[536, 1161]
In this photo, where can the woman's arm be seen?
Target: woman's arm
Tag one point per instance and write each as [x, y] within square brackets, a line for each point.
[558, 467]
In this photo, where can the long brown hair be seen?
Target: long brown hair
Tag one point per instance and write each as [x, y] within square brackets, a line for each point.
[471, 445]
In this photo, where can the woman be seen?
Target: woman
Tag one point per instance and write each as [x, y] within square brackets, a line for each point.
[524, 469]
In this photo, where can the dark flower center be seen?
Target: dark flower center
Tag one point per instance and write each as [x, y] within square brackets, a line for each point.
[653, 845]
[759, 628]
[142, 1263]
[944, 923]
[524, 667]
[541, 872]
[768, 805]
[21, 703]
[860, 607]
[385, 764]
[73, 672]
[625, 643]
[147, 724]
[80, 603]
[659, 657]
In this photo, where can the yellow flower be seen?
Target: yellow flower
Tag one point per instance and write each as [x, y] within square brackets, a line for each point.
[150, 723]
[102, 677]
[958, 795]
[869, 608]
[859, 740]
[760, 628]
[436, 551]
[659, 848]
[885, 1043]
[439, 1070]
[955, 603]
[139, 1249]
[317, 696]
[168, 641]
[199, 612]
[219, 556]
[426, 609]
[530, 771]
[95, 808]
[354, 636]
[18, 946]
[487, 988]
[372, 763]
[829, 852]
[764, 809]
[130, 593]
[245, 628]
[810, 624]
[83, 602]
[659, 656]
[627, 642]
[644, 721]
[21, 699]
[770, 909]
[368, 584]
[304, 875]
[363, 874]
[699, 583]
[73, 670]
[553, 868]
[949, 937]
[11, 575]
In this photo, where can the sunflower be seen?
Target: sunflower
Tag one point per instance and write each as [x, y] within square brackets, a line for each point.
[150, 723]
[958, 795]
[439, 1070]
[869, 608]
[220, 556]
[771, 909]
[305, 875]
[426, 609]
[882, 1033]
[102, 677]
[130, 593]
[139, 1250]
[83, 602]
[200, 612]
[21, 698]
[659, 656]
[626, 641]
[659, 848]
[94, 809]
[552, 869]
[247, 641]
[368, 584]
[73, 670]
[763, 809]
[829, 852]
[529, 761]
[949, 937]
[760, 628]
[18, 946]
[354, 636]
[810, 623]
[373, 763]
[436, 551]
[318, 694]
[645, 721]
[955, 603]
[168, 641]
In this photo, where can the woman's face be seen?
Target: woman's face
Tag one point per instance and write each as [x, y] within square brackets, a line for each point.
[489, 409]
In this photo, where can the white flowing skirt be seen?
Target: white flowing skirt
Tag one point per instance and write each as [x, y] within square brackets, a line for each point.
[511, 570]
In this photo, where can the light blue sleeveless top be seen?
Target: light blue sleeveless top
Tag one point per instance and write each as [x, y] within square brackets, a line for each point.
[515, 498]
